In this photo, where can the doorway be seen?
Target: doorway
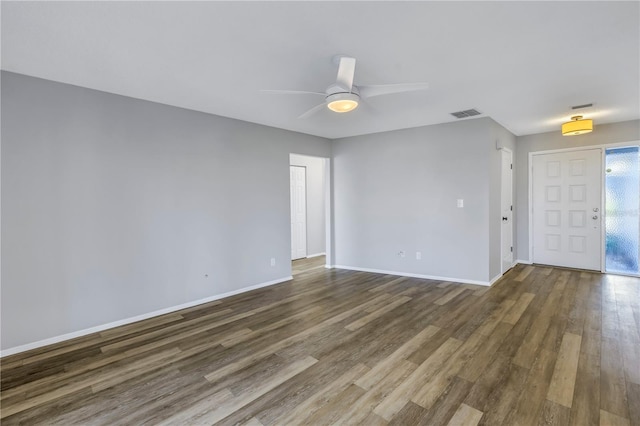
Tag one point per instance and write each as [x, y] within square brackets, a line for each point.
[310, 212]
[567, 208]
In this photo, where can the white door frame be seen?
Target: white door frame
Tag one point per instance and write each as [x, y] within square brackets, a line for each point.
[328, 214]
[513, 262]
[328, 198]
[602, 147]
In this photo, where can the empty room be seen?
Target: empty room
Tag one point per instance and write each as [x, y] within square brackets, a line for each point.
[320, 213]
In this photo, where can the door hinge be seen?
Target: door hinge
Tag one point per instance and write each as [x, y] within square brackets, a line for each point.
[511, 166]
[511, 249]
[511, 207]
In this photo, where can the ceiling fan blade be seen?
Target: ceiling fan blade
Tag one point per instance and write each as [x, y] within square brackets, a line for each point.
[388, 89]
[365, 107]
[346, 70]
[313, 110]
[291, 92]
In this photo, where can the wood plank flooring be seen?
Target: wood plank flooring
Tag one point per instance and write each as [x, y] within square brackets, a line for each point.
[543, 346]
[306, 265]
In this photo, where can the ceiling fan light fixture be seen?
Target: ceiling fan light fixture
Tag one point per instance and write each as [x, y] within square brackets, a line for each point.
[342, 102]
[343, 96]
[577, 126]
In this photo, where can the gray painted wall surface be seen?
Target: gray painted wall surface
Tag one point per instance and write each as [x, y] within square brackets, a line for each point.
[316, 229]
[114, 207]
[397, 191]
[626, 131]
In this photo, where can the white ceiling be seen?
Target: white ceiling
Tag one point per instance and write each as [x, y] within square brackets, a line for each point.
[522, 63]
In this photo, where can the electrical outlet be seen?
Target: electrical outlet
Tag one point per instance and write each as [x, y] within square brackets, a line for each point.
[401, 253]
[273, 261]
[418, 255]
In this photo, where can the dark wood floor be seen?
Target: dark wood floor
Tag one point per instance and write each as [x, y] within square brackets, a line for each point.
[542, 346]
[305, 265]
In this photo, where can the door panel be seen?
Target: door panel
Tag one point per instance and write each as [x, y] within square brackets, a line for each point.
[298, 181]
[567, 201]
[506, 233]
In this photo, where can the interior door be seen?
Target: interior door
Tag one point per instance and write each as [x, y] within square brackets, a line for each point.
[567, 202]
[298, 180]
[506, 230]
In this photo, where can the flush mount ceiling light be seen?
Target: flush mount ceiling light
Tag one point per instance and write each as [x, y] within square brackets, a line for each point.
[342, 102]
[577, 126]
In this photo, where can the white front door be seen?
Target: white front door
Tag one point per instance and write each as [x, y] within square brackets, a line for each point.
[506, 200]
[298, 180]
[567, 203]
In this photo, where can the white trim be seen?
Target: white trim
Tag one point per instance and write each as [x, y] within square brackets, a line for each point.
[603, 209]
[102, 327]
[329, 266]
[530, 213]
[408, 274]
[496, 278]
[524, 262]
[328, 211]
[316, 255]
[583, 147]
[623, 274]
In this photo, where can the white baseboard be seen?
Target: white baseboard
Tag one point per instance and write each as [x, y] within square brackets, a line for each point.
[524, 262]
[494, 279]
[102, 327]
[408, 274]
[316, 255]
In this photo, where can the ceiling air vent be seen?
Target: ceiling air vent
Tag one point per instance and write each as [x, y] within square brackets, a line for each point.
[466, 113]
[582, 106]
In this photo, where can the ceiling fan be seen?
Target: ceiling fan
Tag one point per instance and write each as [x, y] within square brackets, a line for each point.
[343, 96]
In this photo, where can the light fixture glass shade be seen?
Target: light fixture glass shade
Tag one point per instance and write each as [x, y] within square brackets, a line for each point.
[577, 126]
[344, 105]
[342, 102]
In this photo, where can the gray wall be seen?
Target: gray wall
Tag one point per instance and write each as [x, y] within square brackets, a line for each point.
[626, 131]
[114, 207]
[397, 191]
[316, 228]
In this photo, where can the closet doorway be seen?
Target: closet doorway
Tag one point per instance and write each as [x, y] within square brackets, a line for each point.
[310, 211]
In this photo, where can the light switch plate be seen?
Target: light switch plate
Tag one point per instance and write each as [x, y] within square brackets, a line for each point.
[460, 203]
